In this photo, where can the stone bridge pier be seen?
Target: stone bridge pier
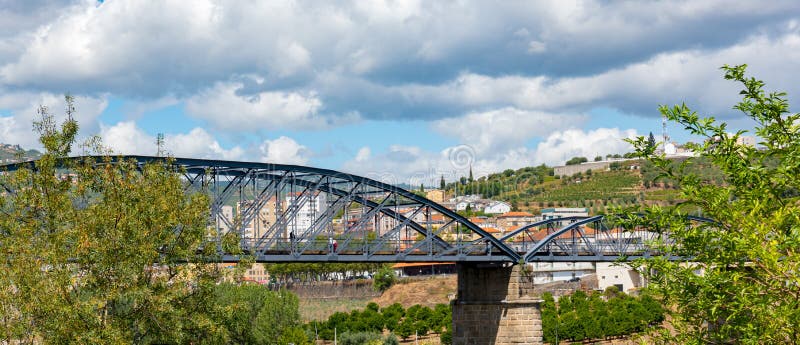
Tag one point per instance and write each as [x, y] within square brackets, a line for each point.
[495, 305]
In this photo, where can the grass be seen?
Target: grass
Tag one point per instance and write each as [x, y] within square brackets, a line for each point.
[662, 195]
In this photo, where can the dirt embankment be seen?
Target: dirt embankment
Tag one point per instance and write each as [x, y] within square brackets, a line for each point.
[427, 291]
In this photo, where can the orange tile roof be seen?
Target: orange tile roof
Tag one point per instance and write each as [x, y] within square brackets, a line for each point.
[477, 220]
[491, 230]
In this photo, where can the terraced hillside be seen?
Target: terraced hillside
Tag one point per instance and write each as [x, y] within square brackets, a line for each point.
[625, 184]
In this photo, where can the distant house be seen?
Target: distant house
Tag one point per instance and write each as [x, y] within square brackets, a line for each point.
[497, 207]
[561, 212]
[436, 195]
[493, 231]
[509, 220]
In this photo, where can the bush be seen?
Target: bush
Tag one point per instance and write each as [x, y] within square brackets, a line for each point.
[384, 279]
[579, 317]
[359, 338]
[391, 339]
[446, 338]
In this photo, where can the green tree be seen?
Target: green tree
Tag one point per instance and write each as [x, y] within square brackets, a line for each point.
[741, 284]
[406, 328]
[384, 279]
[99, 255]
[442, 184]
[294, 335]
[576, 160]
[549, 318]
[253, 314]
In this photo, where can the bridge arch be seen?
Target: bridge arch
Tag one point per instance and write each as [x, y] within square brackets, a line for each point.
[292, 213]
[583, 239]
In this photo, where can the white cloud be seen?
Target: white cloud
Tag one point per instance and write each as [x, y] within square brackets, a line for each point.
[17, 126]
[157, 48]
[199, 143]
[284, 150]
[414, 165]
[500, 129]
[127, 138]
[690, 76]
[363, 154]
[561, 146]
[225, 109]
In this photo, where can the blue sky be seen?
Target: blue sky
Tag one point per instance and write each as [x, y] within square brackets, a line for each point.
[404, 91]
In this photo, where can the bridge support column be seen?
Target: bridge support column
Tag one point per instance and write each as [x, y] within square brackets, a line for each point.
[494, 305]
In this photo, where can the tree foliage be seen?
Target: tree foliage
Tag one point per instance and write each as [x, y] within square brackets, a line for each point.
[576, 160]
[102, 250]
[579, 317]
[99, 255]
[418, 319]
[384, 279]
[252, 314]
[742, 283]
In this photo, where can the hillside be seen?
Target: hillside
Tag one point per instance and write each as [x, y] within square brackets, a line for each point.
[626, 183]
[15, 153]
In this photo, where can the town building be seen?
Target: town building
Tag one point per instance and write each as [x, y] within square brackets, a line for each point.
[615, 274]
[224, 219]
[436, 195]
[510, 220]
[264, 219]
[308, 209]
[562, 212]
[497, 207]
[746, 140]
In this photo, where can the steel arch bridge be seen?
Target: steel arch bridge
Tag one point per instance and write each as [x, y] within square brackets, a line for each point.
[291, 213]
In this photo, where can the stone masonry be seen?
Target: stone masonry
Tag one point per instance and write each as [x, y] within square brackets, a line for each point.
[495, 306]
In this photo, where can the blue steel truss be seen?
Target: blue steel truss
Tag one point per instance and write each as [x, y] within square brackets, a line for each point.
[585, 239]
[290, 213]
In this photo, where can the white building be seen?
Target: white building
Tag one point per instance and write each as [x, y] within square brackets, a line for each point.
[621, 276]
[471, 197]
[746, 140]
[561, 212]
[462, 205]
[497, 207]
[548, 272]
[310, 208]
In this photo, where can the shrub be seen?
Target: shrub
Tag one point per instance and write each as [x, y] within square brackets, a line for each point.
[384, 279]
[359, 338]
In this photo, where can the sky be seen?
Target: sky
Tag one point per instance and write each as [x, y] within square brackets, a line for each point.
[401, 91]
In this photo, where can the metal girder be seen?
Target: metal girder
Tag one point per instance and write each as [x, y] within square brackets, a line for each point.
[227, 179]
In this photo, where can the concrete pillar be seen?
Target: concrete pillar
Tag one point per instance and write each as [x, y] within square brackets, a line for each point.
[495, 305]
